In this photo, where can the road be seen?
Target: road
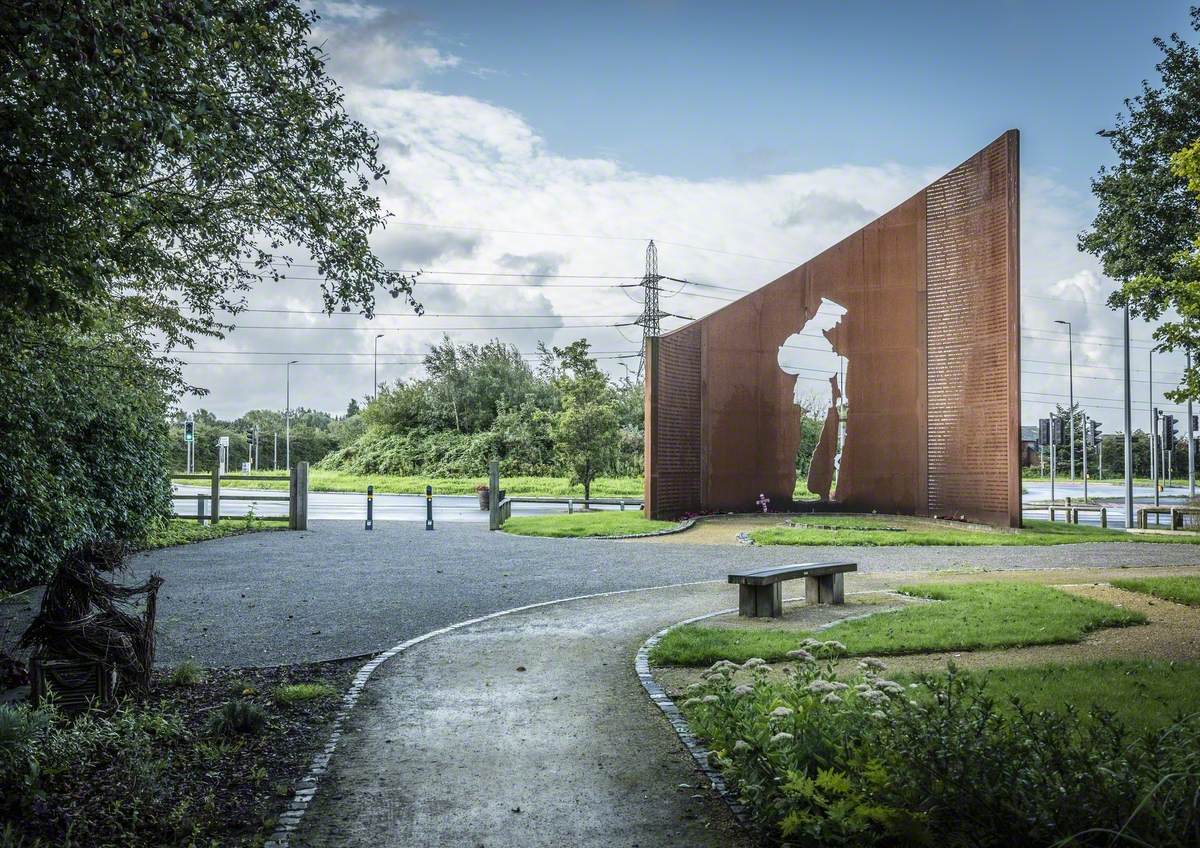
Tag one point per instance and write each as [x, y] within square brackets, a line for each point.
[1112, 493]
[350, 506]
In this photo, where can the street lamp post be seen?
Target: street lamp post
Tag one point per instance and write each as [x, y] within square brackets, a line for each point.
[375, 389]
[1128, 430]
[1153, 436]
[287, 418]
[1071, 390]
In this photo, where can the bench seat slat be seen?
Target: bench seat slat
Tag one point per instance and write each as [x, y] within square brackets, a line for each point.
[777, 574]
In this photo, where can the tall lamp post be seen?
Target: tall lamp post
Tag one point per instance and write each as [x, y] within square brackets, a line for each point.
[1128, 429]
[1071, 390]
[375, 388]
[287, 417]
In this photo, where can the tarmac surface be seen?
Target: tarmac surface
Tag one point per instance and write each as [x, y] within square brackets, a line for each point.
[526, 731]
[337, 590]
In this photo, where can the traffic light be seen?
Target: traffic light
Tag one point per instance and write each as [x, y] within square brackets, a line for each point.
[189, 431]
[1044, 431]
[250, 438]
[1059, 426]
[1169, 431]
[1094, 426]
[1195, 425]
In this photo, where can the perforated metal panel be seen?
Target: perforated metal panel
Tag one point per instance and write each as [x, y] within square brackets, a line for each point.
[673, 424]
[970, 338]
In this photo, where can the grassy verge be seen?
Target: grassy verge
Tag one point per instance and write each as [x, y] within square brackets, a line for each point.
[867, 530]
[1181, 590]
[1143, 694]
[967, 617]
[579, 525]
[184, 531]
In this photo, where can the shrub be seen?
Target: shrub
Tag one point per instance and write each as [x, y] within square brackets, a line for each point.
[239, 717]
[295, 693]
[187, 673]
[821, 761]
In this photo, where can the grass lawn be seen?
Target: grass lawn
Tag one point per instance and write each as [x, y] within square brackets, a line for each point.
[875, 530]
[1143, 694]
[582, 524]
[968, 617]
[1181, 590]
[183, 531]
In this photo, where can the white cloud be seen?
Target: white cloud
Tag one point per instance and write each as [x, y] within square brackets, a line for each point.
[501, 193]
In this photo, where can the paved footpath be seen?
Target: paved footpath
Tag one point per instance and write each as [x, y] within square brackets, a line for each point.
[453, 744]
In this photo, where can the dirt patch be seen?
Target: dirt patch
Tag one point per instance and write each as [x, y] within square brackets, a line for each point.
[724, 529]
[207, 789]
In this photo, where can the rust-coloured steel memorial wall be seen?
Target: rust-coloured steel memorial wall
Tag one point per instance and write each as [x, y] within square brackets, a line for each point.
[920, 412]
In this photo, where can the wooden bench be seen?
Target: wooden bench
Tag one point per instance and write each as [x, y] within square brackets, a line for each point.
[760, 590]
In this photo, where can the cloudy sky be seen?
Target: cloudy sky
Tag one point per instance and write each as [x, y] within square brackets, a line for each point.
[534, 148]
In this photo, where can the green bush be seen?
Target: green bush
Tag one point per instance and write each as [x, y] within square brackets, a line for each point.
[85, 436]
[244, 718]
[187, 673]
[820, 761]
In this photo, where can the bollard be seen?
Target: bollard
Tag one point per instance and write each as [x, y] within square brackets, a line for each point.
[370, 508]
[429, 507]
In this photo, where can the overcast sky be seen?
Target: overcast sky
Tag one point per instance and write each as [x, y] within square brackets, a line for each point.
[554, 139]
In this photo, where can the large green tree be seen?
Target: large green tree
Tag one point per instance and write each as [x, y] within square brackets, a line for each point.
[587, 429]
[1147, 219]
[158, 159]
[166, 156]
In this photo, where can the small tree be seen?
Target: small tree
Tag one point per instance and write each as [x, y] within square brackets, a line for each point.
[587, 428]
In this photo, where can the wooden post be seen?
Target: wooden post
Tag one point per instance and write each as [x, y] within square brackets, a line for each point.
[298, 497]
[216, 495]
[494, 495]
[200, 508]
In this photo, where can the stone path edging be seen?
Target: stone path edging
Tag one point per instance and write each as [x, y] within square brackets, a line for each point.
[289, 820]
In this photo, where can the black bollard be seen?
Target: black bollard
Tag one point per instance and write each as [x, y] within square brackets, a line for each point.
[429, 507]
[370, 508]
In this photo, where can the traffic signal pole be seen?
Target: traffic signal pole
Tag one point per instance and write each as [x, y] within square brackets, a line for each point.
[1085, 441]
[1191, 433]
[1128, 429]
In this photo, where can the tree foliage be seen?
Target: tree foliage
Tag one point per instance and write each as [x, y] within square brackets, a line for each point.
[160, 155]
[483, 402]
[1147, 220]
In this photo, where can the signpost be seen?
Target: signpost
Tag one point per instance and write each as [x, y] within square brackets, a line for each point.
[370, 508]
[189, 439]
[429, 507]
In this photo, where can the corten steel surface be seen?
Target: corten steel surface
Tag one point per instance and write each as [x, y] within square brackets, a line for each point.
[930, 336]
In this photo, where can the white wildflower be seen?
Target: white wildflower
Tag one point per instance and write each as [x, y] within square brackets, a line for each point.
[781, 712]
[811, 643]
[709, 699]
[873, 696]
[801, 655]
[831, 698]
[889, 686]
[863, 687]
[833, 645]
[878, 714]
[691, 702]
[742, 747]
[821, 686]
[743, 690]
[695, 687]
[872, 664]
[781, 737]
[754, 662]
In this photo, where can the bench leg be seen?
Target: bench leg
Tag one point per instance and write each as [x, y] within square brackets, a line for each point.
[760, 601]
[828, 589]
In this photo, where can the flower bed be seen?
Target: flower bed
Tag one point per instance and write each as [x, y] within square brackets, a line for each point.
[818, 760]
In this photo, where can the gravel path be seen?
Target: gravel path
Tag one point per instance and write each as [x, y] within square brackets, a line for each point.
[337, 590]
[525, 731]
